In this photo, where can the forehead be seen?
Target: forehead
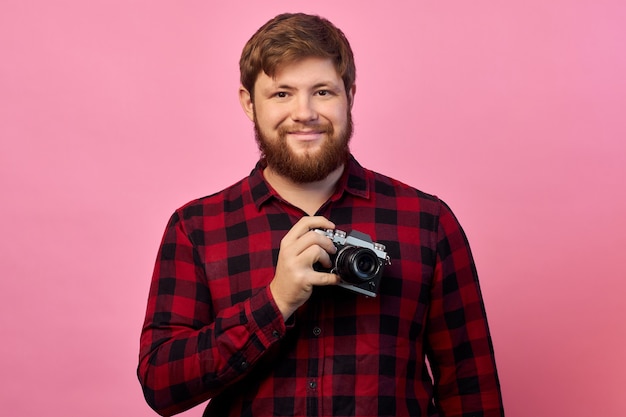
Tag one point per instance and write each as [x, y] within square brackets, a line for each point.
[303, 72]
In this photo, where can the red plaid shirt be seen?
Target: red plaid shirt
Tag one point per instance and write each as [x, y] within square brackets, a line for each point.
[213, 331]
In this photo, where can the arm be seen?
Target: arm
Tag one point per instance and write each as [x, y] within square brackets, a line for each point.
[459, 347]
[188, 352]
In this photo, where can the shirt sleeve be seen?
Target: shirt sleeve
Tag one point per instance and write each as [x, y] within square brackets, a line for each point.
[188, 352]
[459, 345]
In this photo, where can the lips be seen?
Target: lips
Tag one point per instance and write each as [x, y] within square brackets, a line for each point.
[306, 135]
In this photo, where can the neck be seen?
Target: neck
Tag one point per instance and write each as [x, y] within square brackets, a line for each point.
[306, 196]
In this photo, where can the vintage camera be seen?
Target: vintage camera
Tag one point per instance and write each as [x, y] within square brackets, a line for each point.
[359, 261]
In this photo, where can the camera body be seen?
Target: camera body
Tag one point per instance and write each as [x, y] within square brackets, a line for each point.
[359, 262]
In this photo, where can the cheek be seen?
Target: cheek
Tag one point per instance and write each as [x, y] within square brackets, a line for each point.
[271, 118]
[337, 113]
[340, 117]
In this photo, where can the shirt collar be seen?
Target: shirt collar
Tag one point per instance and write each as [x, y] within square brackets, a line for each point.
[353, 181]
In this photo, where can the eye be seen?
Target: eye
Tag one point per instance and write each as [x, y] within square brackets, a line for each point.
[281, 94]
[323, 93]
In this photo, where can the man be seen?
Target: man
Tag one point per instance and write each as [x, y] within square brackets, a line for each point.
[245, 307]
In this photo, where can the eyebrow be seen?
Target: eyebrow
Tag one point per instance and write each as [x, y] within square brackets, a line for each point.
[323, 84]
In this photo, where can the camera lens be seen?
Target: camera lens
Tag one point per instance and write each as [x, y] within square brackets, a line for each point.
[357, 265]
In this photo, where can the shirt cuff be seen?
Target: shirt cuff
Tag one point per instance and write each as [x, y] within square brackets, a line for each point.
[267, 317]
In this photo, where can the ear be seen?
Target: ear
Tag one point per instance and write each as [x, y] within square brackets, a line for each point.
[351, 94]
[246, 102]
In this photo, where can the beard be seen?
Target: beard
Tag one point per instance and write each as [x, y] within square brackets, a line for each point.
[308, 167]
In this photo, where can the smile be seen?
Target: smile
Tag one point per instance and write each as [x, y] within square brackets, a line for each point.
[308, 135]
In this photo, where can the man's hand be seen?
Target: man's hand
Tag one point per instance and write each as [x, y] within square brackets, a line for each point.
[299, 250]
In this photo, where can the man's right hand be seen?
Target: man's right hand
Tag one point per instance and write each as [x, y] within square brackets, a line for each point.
[295, 277]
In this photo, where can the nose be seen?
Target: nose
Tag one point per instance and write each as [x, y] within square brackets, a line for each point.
[303, 109]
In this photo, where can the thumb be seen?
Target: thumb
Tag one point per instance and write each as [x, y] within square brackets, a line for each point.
[326, 278]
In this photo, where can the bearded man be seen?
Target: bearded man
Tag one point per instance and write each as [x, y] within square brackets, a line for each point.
[263, 304]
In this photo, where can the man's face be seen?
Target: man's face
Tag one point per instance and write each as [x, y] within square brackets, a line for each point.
[302, 119]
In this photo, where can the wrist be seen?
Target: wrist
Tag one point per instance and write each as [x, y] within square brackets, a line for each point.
[285, 308]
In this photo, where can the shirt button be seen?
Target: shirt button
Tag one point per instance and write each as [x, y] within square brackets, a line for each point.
[276, 334]
[317, 331]
[312, 384]
[243, 365]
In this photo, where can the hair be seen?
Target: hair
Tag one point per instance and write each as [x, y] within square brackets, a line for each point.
[289, 37]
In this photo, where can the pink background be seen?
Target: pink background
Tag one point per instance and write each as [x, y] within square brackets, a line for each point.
[113, 113]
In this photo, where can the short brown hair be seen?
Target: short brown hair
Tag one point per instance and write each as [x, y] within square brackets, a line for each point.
[289, 37]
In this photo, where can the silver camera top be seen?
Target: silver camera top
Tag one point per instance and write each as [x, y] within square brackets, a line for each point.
[355, 238]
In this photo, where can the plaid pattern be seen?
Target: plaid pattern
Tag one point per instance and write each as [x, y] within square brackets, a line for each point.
[212, 329]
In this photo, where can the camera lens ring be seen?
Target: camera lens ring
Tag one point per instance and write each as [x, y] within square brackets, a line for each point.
[357, 264]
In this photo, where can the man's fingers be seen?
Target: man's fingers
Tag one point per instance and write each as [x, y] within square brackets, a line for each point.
[310, 239]
[314, 254]
[300, 249]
